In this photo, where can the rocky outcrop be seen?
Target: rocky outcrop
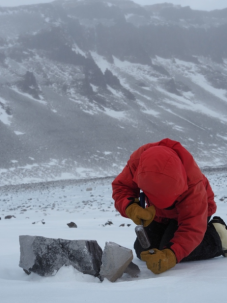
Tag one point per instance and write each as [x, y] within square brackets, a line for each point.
[45, 256]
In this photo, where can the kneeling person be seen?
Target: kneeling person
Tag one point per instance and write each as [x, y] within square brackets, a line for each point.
[180, 203]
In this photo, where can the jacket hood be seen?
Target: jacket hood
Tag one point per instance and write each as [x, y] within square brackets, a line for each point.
[161, 176]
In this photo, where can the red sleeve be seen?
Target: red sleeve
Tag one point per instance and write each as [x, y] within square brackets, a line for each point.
[212, 207]
[123, 186]
[192, 220]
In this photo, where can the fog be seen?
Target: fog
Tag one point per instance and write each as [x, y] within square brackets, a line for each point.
[194, 4]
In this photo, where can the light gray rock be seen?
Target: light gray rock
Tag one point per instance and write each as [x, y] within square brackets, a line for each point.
[115, 260]
[46, 256]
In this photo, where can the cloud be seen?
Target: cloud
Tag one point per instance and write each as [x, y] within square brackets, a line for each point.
[22, 2]
[194, 4]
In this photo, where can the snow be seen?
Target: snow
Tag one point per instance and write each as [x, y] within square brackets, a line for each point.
[128, 16]
[115, 114]
[107, 152]
[110, 4]
[90, 206]
[18, 133]
[94, 88]
[29, 96]
[4, 117]
[151, 112]
[201, 80]
[78, 50]
[100, 61]
[196, 107]
[191, 70]
[115, 92]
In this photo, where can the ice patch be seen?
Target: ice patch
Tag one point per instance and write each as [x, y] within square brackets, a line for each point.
[151, 112]
[18, 133]
[223, 137]
[114, 114]
[78, 50]
[114, 92]
[201, 80]
[95, 88]
[28, 96]
[101, 62]
[107, 152]
[4, 117]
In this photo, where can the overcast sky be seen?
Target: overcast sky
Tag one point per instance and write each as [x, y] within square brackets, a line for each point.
[194, 4]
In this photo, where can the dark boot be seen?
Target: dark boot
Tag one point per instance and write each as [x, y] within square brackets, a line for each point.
[221, 229]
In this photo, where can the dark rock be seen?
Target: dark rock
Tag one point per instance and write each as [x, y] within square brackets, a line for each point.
[128, 94]
[160, 69]
[27, 272]
[9, 217]
[72, 225]
[45, 256]
[171, 87]
[111, 79]
[42, 221]
[108, 223]
[132, 270]
[29, 85]
[122, 225]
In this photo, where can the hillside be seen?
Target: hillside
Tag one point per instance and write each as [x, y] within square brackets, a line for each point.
[84, 83]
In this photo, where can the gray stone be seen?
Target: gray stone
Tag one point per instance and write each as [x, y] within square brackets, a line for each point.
[132, 270]
[46, 256]
[72, 225]
[9, 217]
[115, 260]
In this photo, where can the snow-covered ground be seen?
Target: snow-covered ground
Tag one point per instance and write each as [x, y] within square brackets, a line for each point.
[90, 206]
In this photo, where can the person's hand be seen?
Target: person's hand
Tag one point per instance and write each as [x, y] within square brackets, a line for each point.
[136, 213]
[159, 260]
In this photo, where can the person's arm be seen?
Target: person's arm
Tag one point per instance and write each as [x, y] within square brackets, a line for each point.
[124, 188]
[212, 207]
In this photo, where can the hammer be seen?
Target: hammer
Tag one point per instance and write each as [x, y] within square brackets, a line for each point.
[139, 229]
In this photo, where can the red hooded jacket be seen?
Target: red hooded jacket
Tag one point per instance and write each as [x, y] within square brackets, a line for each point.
[169, 176]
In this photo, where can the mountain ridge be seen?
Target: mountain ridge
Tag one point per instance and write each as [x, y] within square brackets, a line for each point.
[79, 92]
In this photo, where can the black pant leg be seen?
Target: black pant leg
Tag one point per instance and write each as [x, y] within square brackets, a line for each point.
[210, 247]
[168, 234]
[161, 234]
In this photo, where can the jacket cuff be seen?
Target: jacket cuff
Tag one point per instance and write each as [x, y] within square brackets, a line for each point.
[132, 200]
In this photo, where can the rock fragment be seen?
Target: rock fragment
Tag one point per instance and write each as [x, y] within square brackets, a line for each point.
[9, 217]
[132, 270]
[115, 260]
[72, 225]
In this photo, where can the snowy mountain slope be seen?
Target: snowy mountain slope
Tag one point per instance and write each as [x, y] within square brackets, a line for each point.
[89, 205]
[83, 84]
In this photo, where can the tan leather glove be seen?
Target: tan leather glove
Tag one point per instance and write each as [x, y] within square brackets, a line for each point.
[136, 213]
[159, 261]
